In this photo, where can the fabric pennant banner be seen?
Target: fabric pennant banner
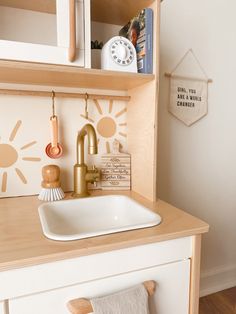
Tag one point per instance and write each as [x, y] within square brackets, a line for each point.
[188, 99]
[188, 89]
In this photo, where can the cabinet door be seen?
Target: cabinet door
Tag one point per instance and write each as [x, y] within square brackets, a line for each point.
[171, 296]
[2, 307]
[28, 34]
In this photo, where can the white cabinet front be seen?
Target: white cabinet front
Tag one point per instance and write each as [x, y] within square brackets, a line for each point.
[2, 311]
[37, 36]
[171, 296]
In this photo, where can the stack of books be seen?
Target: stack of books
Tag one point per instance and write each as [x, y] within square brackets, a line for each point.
[139, 31]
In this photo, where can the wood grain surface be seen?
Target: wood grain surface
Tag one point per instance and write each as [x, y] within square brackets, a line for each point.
[223, 302]
[116, 11]
[61, 75]
[22, 242]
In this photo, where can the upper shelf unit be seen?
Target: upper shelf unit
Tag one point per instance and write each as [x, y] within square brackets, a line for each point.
[38, 53]
[59, 75]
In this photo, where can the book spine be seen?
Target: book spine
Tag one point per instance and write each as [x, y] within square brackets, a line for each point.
[148, 58]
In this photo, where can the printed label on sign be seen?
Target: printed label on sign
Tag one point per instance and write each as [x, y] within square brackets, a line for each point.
[188, 99]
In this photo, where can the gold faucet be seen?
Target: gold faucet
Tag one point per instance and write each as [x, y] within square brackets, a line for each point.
[81, 173]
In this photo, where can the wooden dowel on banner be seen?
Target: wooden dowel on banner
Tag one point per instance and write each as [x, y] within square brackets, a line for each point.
[185, 77]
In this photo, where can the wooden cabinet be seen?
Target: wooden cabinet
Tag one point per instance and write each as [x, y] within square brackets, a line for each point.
[41, 32]
[47, 288]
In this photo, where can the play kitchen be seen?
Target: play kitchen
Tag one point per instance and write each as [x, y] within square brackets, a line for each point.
[119, 235]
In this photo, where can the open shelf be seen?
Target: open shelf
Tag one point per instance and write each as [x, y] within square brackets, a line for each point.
[117, 12]
[46, 6]
[69, 76]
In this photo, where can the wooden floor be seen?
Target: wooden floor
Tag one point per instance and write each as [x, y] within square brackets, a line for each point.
[223, 302]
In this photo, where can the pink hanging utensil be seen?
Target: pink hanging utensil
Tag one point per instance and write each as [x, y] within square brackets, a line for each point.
[54, 149]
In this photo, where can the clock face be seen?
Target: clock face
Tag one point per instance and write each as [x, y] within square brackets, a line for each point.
[122, 51]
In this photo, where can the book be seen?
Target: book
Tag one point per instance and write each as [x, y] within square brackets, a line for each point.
[139, 31]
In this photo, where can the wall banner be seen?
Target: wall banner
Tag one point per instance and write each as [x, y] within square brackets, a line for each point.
[188, 90]
[188, 99]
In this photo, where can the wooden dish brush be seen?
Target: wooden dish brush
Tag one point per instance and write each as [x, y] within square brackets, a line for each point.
[51, 185]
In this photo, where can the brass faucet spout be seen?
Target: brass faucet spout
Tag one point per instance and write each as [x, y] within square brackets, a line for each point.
[81, 173]
[92, 142]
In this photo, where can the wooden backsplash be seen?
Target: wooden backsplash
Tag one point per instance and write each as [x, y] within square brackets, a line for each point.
[25, 132]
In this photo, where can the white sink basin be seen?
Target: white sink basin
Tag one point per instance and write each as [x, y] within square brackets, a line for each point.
[88, 217]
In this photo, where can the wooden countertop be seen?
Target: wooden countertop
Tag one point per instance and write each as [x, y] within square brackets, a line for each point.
[22, 242]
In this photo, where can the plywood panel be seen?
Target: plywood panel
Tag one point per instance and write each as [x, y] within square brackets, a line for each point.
[57, 75]
[142, 126]
[116, 11]
[195, 275]
[141, 139]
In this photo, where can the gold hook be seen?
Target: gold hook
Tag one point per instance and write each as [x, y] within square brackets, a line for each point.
[86, 105]
[53, 103]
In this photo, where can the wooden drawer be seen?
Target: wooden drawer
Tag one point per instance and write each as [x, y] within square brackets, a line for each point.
[83, 269]
[171, 296]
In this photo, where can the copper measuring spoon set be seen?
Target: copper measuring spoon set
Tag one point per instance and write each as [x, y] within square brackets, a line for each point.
[54, 149]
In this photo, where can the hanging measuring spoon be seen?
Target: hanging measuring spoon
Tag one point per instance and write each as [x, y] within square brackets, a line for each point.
[54, 149]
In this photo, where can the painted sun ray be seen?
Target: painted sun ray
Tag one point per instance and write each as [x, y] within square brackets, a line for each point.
[4, 182]
[123, 124]
[98, 106]
[110, 105]
[31, 159]
[108, 147]
[123, 134]
[21, 176]
[28, 145]
[89, 119]
[121, 112]
[15, 130]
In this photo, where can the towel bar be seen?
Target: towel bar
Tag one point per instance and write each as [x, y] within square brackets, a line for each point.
[83, 306]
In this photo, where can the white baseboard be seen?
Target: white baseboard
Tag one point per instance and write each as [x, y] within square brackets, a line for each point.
[217, 279]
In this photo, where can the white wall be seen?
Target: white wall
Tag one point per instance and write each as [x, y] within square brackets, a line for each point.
[197, 164]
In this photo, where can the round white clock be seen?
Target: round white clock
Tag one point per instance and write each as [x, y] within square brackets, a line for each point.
[119, 54]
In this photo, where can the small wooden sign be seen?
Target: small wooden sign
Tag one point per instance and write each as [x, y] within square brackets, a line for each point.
[115, 171]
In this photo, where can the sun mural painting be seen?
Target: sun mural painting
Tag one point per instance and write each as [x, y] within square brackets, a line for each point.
[9, 157]
[108, 126]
